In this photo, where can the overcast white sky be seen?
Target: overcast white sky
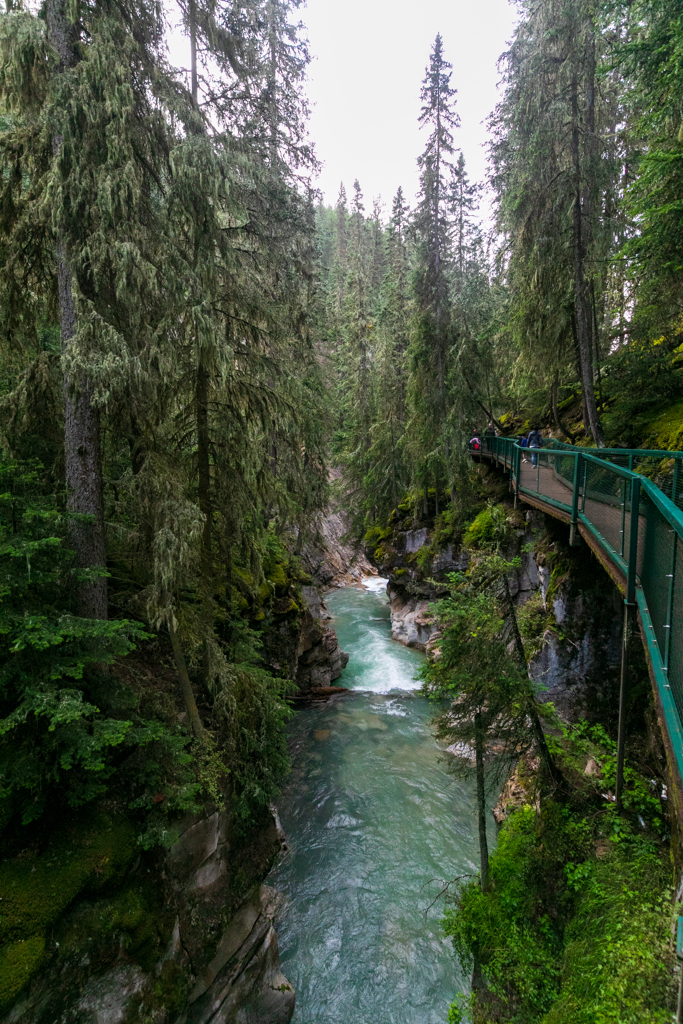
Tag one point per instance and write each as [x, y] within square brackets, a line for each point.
[369, 58]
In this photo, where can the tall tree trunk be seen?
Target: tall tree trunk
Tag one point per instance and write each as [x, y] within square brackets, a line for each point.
[556, 415]
[205, 507]
[580, 296]
[82, 451]
[547, 761]
[481, 799]
[186, 686]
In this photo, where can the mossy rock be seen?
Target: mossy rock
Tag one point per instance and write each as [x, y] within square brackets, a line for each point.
[376, 534]
[86, 856]
[127, 920]
[277, 575]
[18, 962]
[170, 990]
[287, 606]
[480, 530]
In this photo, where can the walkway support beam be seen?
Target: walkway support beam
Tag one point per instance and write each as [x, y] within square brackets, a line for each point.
[629, 618]
[574, 535]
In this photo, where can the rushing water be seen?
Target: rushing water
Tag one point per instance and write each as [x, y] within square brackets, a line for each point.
[374, 824]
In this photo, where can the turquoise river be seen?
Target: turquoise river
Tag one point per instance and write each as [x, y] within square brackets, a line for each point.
[375, 826]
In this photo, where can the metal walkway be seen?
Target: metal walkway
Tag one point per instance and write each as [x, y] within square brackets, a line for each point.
[627, 506]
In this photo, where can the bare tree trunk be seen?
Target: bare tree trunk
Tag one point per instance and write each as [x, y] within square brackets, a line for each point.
[556, 416]
[82, 452]
[186, 686]
[204, 494]
[580, 297]
[532, 712]
[481, 799]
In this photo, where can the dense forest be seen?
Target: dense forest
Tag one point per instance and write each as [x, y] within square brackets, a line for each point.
[198, 356]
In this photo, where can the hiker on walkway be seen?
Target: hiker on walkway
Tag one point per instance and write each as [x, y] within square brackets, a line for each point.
[535, 441]
[524, 443]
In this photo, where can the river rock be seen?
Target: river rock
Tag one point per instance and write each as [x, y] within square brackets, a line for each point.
[113, 997]
[320, 659]
[243, 984]
[411, 623]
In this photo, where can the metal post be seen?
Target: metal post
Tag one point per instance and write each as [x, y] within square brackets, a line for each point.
[674, 485]
[670, 599]
[624, 491]
[574, 536]
[623, 688]
[679, 954]
[518, 470]
[629, 613]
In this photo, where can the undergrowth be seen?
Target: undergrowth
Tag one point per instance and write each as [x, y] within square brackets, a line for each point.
[576, 925]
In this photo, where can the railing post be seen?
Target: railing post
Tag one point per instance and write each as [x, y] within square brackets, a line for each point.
[629, 614]
[674, 486]
[574, 535]
[670, 601]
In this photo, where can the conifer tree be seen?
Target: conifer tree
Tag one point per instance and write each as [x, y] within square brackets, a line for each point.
[358, 333]
[388, 477]
[433, 253]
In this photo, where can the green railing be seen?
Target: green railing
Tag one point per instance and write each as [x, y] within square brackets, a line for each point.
[629, 502]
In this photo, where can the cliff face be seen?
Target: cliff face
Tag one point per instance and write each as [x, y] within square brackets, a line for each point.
[330, 558]
[183, 936]
[566, 602]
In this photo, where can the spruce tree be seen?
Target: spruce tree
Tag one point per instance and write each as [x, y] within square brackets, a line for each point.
[433, 255]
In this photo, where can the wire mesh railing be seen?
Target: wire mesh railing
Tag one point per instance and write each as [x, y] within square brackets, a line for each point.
[629, 502]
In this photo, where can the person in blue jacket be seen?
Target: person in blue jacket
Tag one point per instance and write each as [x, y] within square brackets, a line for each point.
[524, 443]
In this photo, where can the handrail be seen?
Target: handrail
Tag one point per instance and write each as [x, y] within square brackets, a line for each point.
[633, 523]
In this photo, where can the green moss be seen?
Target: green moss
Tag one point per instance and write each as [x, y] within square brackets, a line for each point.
[277, 575]
[287, 607]
[575, 925]
[481, 530]
[245, 576]
[128, 920]
[399, 572]
[171, 988]
[533, 620]
[617, 962]
[86, 856]
[18, 962]
[664, 430]
[376, 534]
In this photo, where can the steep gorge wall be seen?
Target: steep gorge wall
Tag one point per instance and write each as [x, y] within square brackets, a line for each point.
[568, 604]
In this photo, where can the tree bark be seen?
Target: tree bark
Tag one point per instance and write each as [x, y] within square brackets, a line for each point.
[205, 507]
[481, 799]
[82, 451]
[532, 712]
[556, 416]
[186, 686]
[580, 296]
